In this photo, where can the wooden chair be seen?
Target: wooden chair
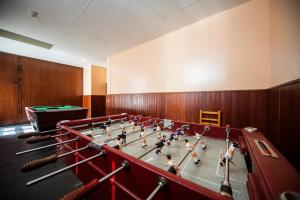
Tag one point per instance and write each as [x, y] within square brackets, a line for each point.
[214, 120]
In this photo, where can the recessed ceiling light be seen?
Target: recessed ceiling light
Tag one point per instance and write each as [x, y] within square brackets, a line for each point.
[83, 59]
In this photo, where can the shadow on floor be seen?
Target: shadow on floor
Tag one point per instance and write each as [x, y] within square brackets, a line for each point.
[12, 184]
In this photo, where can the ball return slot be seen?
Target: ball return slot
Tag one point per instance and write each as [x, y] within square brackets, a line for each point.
[265, 149]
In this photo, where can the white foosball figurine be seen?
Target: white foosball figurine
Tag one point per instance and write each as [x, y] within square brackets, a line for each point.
[193, 153]
[229, 154]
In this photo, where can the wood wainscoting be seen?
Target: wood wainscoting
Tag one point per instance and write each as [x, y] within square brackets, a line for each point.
[275, 111]
[30, 82]
[96, 105]
[283, 119]
[239, 108]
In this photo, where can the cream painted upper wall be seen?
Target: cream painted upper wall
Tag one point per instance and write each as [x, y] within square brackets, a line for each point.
[228, 51]
[87, 87]
[284, 41]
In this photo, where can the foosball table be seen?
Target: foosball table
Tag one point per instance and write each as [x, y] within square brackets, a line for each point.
[134, 170]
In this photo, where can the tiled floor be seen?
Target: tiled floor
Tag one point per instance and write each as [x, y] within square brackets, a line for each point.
[11, 130]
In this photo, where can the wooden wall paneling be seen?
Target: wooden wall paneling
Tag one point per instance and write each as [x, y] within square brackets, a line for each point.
[9, 112]
[258, 109]
[98, 104]
[188, 107]
[199, 104]
[272, 116]
[239, 108]
[87, 103]
[226, 105]
[275, 111]
[294, 125]
[285, 119]
[47, 83]
[182, 105]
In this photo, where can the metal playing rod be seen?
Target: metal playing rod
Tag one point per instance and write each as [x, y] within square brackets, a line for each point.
[40, 138]
[111, 131]
[63, 169]
[47, 146]
[161, 183]
[128, 133]
[144, 154]
[26, 135]
[34, 164]
[128, 126]
[146, 136]
[206, 128]
[225, 185]
[95, 123]
[124, 165]
[81, 192]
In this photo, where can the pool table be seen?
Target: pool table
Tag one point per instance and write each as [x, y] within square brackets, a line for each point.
[45, 118]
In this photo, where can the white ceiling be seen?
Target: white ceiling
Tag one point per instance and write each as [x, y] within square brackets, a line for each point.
[86, 32]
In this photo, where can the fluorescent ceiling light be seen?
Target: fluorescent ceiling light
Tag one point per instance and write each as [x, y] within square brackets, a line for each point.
[24, 39]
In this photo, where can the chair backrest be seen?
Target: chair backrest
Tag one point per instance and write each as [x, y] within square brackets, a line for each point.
[210, 118]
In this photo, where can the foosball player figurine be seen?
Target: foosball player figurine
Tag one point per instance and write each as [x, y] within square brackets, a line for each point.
[171, 138]
[123, 137]
[108, 131]
[143, 137]
[160, 144]
[134, 123]
[229, 154]
[93, 133]
[119, 143]
[109, 122]
[154, 129]
[179, 132]
[201, 140]
[191, 149]
[158, 131]
[173, 168]
[122, 124]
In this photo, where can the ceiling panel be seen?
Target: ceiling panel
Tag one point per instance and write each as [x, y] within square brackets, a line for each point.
[96, 29]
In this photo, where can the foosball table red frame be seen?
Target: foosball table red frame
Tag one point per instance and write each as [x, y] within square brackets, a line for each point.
[268, 176]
